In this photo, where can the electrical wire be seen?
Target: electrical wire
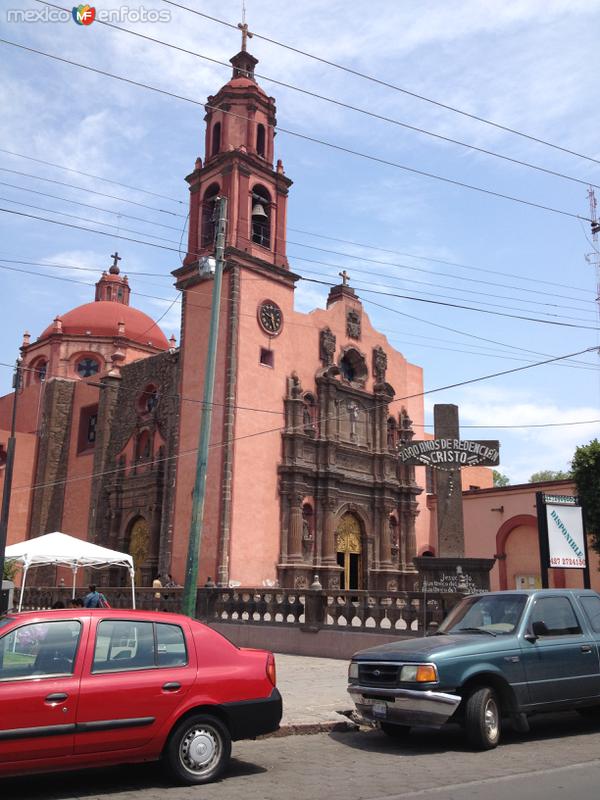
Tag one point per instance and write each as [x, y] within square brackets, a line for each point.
[341, 104]
[281, 429]
[389, 85]
[314, 280]
[307, 138]
[89, 175]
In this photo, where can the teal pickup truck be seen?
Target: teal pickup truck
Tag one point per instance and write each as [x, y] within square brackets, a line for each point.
[496, 655]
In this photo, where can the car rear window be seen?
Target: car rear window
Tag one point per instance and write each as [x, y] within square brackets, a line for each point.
[133, 644]
[39, 650]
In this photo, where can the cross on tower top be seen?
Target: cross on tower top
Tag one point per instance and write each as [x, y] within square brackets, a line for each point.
[114, 269]
[246, 34]
[345, 277]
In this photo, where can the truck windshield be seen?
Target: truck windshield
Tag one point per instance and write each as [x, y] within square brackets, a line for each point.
[492, 613]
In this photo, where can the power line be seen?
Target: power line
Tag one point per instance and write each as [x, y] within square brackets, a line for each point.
[574, 364]
[87, 219]
[91, 191]
[281, 429]
[311, 280]
[296, 244]
[87, 205]
[89, 174]
[389, 85]
[313, 139]
[342, 104]
[358, 269]
[434, 260]
[462, 307]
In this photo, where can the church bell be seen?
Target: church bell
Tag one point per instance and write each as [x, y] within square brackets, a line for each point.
[259, 211]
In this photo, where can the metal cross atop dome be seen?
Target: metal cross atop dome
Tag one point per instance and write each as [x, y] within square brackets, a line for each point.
[114, 269]
[345, 277]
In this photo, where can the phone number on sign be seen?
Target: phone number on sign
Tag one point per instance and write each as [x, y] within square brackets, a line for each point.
[567, 562]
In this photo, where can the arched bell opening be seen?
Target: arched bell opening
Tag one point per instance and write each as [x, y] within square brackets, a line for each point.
[261, 216]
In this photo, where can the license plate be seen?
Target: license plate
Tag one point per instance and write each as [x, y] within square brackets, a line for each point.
[379, 710]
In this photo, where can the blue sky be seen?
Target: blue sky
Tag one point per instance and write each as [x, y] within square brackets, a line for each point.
[529, 65]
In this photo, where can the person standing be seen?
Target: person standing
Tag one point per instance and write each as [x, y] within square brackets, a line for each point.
[94, 599]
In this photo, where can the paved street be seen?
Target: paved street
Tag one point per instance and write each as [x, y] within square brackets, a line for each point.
[559, 757]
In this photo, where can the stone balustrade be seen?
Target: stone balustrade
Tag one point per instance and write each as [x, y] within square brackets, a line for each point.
[404, 613]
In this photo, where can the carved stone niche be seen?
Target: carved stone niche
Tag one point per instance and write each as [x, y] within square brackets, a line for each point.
[327, 347]
[380, 362]
[353, 324]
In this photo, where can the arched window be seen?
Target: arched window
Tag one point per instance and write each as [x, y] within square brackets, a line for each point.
[260, 140]
[207, 238]
[353, 367]
[261, 216]
[216, 139]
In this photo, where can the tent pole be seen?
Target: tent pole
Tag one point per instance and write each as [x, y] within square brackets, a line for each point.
[74, 568]
[25, 568]
[132, 573]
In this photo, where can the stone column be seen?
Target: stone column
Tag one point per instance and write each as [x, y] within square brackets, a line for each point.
[295, 529]
[329, 532]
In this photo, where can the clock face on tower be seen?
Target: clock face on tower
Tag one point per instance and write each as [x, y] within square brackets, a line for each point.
[270, 317]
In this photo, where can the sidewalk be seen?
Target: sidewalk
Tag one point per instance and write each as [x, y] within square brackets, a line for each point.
[314, 694]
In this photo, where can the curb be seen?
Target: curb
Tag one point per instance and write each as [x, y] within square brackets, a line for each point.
[308, 728]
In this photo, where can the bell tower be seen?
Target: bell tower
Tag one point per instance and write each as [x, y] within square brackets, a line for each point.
[238, 164]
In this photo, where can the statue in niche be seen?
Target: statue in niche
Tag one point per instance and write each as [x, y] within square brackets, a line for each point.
[391, 434]
[379, 364]
[353, 414]
[326, 347]
[352, 324]
[306, 531]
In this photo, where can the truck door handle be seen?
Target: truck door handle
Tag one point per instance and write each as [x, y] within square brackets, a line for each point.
[586, 648]
[58, 697]
[172, 686]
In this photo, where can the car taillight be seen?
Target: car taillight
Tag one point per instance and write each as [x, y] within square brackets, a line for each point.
[271, 673]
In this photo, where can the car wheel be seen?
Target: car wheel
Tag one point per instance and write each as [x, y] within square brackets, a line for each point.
[395, 731]
[482, 718]
[198, 749]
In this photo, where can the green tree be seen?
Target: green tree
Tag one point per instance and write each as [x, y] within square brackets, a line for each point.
[500, 479]
[586, 473]
[10, 568]
[550, 475]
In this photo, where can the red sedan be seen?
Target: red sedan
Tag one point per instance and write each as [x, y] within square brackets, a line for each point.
[86, 687]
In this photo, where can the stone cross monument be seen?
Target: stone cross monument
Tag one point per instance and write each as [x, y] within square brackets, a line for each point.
[446, 453]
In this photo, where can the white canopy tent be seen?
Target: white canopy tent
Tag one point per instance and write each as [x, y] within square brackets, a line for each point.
[66, 551]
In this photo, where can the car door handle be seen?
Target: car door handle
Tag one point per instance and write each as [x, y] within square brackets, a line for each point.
[586, 648]
[172, 686]
[58, 697]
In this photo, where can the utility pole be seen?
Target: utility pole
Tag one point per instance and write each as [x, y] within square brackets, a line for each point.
[8, 471]
[199, 496]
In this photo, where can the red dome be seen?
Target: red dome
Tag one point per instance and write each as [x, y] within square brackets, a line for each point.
[102, 317]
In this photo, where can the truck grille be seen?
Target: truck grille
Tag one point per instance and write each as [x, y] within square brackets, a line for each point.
[378, 674]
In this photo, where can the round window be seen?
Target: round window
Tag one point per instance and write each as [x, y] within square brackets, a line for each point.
[87, 367]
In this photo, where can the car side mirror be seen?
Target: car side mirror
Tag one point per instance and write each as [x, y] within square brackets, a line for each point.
[539, 628]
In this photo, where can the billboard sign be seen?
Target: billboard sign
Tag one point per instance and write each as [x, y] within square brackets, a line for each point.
[566, 536]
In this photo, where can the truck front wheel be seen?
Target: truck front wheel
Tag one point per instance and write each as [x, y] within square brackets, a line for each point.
[482, 718]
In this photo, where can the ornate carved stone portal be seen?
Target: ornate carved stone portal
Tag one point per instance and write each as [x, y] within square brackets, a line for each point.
[343, 468]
